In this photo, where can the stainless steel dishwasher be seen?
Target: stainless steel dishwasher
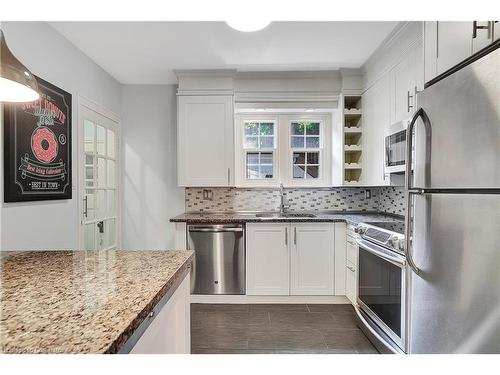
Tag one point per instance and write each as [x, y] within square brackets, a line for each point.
[219, 265]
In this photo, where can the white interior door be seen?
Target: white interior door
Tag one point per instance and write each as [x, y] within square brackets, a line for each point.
[99, 170]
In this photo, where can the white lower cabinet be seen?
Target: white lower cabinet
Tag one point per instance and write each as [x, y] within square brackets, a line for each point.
[169, 332]
[351, 270]
[290, 259]
[312, 259]
[268, 259]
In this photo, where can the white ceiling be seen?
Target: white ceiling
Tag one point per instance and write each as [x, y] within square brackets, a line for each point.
[147, 52]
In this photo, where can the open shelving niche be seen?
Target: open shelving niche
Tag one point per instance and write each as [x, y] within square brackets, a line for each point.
[353, 132]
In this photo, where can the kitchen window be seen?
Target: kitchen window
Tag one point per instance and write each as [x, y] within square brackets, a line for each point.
[305, 142]
[259, 149]
[288, 148]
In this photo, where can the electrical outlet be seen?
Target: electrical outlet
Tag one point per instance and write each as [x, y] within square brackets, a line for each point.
[208, 195]
[368, 194]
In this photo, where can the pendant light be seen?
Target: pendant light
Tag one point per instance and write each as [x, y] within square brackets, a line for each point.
[248, 24]
[17, 84]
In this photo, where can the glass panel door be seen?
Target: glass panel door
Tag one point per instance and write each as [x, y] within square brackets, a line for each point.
[100, 176]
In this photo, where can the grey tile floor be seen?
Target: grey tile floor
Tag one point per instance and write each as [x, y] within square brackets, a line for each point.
[273, 329]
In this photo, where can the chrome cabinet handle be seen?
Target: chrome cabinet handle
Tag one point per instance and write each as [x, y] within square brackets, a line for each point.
[286, 236]
[295, 235]
[410, 190]
[85, 207]
[229, 176]
[475, 28]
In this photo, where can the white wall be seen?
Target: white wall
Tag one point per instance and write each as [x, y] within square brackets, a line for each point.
[53, 224]
[150, 193]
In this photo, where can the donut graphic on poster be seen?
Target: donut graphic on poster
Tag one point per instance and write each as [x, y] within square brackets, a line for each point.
[44, 144]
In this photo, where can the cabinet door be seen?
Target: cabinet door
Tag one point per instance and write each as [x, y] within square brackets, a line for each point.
[312, 259]
[268, 259]
[169, 332]
[483, 37]
[403, 83]
[205, 140]
[376, 120]
[454, 43]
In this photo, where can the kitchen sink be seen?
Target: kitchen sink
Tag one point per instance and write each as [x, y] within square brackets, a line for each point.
[277, 215]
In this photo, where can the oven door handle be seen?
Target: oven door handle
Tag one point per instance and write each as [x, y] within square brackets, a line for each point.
[381, 252]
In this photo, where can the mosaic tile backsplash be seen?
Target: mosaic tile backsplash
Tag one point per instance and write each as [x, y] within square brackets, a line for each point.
[385, 199]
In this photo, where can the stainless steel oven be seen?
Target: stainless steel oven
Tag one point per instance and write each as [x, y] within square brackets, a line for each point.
[381, 289]
[395, 148]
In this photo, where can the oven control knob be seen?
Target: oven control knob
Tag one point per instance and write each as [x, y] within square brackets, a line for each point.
[360, 229]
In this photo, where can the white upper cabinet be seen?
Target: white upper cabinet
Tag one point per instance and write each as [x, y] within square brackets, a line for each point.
[404, 83]
[205, 140]
[376, 114]
[312, 259]
[447, 43]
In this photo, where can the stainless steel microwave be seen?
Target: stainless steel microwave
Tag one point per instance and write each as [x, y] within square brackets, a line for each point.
[395, 148]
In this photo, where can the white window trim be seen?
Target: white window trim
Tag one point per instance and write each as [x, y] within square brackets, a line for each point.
[240, 155]
[283, 168]
[324, 179]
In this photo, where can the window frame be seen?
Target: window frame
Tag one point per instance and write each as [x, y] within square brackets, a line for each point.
[241, 151]
[283, 152]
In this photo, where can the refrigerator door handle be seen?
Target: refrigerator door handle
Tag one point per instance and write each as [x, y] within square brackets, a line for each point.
[410, 190]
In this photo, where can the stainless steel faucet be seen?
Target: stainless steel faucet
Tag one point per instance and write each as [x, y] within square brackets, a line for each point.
[283, 206]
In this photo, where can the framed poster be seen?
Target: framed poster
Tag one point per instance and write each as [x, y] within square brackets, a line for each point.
[37, 147]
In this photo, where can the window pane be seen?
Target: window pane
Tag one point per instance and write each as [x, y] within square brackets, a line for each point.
[111, 143]
[251, 128]
[299, 158]
[267, 128]
[111, 203]
[297, 142]
[312, 172]
[253, 158]
[297, 128]
[111, 173]
[266, 171]
[89, 237]
[89, 136]
[253, 171]
[298, 171]
[266, 158]
[101, 172]
[101, 138]
[313, 158]
[100, 211]
[251, 142]
[266, 141]
[312, 142]
[312, 128]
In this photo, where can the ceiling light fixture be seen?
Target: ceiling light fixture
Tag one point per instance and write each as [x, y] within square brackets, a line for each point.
[17, 84]
[248, 25]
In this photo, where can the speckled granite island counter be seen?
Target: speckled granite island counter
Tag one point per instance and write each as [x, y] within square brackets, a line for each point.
[82, 301]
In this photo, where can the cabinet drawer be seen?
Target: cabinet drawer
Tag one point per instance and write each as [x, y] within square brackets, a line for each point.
[352, 250]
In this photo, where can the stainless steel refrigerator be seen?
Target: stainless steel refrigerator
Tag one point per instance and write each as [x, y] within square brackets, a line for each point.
[453, 212]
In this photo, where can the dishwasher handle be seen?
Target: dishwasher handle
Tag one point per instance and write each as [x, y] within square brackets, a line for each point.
[215, 228]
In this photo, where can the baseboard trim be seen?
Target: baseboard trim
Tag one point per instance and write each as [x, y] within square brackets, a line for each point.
[198, 298]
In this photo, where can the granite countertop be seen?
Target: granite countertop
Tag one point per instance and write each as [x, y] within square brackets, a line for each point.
[81, 301]
[321, 216]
